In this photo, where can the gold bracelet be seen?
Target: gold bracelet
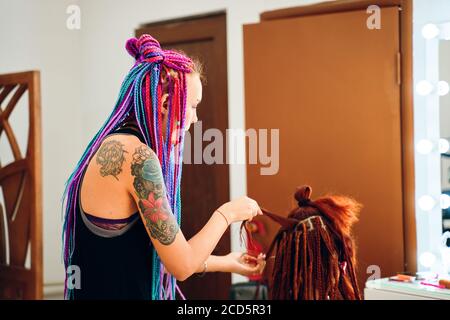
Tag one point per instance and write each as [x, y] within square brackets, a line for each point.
[204, 269]
[223, 216]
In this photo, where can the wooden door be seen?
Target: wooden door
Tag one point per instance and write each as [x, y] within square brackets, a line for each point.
[21, 186]
[204, 187]
[331, 86]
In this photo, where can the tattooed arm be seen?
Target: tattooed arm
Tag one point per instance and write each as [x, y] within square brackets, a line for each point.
[150, 193]
[181, 258]
[144, 181]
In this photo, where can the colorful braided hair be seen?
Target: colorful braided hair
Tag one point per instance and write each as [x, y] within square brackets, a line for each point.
[314, 250]
[155, 72]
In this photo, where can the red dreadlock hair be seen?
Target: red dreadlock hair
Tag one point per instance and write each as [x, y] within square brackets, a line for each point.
[314, 255]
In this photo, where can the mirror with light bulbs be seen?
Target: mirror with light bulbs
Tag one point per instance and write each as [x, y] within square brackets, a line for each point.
[432, 136]
[444, 72]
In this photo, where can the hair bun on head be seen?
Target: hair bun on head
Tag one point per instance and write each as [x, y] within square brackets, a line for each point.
[303, 195]
[146, 47]
[132, 48]
[147, 50]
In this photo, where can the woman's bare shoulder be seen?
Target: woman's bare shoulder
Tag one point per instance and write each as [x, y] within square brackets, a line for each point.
[124, 151]
[123, 143]
[105, 187]
[114, 156]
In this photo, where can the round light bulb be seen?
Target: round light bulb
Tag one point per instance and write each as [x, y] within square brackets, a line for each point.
[424, 146]
[430, 31]
[427, 259]
[443, 88]
[445, 201]
[444, 145]
[426, 203]
[424, 87]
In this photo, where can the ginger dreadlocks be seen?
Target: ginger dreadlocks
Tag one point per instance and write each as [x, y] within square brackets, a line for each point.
[314, 250]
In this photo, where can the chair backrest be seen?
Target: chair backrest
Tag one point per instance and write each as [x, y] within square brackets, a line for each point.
[21, 185]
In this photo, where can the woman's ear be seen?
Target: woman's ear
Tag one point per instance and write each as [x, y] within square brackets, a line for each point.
[164, 103]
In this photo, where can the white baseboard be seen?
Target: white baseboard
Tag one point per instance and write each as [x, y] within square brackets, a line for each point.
[54, 291]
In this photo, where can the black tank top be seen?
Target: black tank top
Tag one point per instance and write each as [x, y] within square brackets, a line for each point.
[113, 264]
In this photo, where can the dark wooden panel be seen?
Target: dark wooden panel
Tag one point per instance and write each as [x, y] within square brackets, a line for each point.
[21, 183]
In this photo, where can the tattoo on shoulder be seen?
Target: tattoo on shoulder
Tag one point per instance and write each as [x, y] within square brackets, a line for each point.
[110, 157]
[149, 186]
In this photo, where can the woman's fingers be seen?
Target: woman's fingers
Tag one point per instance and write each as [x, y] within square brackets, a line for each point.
[253, 265]
[249, 259]
[261, 262]
[253, 270]
[257, 208]
[260, 256]
[256, 268]
[249, 269]
[260, 211]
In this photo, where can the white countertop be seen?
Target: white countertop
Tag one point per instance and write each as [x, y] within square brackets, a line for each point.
[397, 289]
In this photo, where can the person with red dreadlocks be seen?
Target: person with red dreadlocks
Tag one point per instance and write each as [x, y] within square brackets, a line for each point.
[122, 201]
[314, 250]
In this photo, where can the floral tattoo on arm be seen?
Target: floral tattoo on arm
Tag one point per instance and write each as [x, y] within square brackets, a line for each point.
[149, 187]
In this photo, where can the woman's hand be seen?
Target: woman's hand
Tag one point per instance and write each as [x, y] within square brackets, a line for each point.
[244, 264]
[240, 209]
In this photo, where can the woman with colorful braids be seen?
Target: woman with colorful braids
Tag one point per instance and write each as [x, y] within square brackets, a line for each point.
[122, 202]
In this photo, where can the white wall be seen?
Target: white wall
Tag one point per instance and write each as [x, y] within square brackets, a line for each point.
[81, 75]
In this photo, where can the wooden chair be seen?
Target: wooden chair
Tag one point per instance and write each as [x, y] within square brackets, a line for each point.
[21, 183]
